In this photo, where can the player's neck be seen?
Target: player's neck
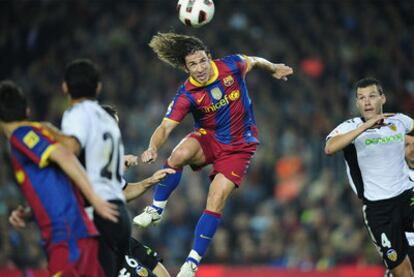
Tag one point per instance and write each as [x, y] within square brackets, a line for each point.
[78, 100]
[8, 128]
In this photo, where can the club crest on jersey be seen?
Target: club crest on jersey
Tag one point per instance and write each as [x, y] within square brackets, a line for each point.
[234, 95]
[228, 81]
[393, 127]
[392, 255]
[141, 271]
[216, 93]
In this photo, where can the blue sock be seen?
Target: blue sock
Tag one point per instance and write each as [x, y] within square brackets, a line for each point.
[203, 235]
[164, 189]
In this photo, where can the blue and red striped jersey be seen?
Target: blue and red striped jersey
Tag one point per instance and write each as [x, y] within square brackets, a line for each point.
[222, 106]
[56, 204]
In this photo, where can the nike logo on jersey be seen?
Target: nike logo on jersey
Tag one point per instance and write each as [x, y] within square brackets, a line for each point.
[199, 100]
[234, 174]
[204, 237]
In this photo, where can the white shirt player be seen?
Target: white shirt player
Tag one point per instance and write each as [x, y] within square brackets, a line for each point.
[100, 139]
[375, 160]
[410, 235]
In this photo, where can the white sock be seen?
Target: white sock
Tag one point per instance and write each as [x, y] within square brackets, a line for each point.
[194, 255]
[160, 204]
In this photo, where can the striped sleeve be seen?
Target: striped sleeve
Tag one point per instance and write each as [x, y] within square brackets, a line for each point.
[178, 108]
[34, 145]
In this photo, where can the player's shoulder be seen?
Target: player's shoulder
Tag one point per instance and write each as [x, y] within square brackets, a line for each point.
[355, 121]
[35, 127]
[30, 134]
[232, 58]
[399, 116]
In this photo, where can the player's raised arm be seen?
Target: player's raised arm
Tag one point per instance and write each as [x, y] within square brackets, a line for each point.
[68, 162]
[278, 70]
[339, 142]
[158, 139]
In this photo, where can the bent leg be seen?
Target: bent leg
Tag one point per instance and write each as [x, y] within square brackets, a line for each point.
[188, 151]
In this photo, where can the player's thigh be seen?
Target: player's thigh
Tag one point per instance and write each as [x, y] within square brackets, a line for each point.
[219, 191]
[403, 269]
[234, 163]
[88, 263]
[58, 258]
[144, 254]
[386, 232]
[188, 151]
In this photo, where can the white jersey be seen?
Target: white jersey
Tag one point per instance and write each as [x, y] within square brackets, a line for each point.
[410, 235]
[375, 160]
[102, 149]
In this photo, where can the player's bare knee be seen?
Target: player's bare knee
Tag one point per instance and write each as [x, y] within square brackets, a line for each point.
[179, 157]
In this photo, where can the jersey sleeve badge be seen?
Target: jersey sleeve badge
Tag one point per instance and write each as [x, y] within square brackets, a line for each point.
[31, 139]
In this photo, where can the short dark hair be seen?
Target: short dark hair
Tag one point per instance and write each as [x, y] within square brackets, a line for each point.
[172, 48]
[13, 103]
[82, 78]
[366, 82]
[111, 110]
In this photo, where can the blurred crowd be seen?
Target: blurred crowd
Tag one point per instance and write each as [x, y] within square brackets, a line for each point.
[295, 208]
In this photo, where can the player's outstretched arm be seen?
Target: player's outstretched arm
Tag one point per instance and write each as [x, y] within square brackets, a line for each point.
[339, 142]
[135, 190]
[68, 162]
[278, 70]
[158, 138]
[19, 216]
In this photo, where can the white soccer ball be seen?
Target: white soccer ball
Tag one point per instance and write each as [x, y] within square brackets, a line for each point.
[195, 13]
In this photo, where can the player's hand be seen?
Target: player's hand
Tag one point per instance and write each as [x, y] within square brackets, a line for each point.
[377, 121]
[159, 175]
[149, 156]
[105, 209]
[281, 71]
[130, 160]
[18, 217]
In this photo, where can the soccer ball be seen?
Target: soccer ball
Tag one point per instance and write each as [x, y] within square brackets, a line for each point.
[195, 13]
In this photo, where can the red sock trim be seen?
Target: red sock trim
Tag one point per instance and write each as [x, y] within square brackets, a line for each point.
[212, 213]
[169, 166]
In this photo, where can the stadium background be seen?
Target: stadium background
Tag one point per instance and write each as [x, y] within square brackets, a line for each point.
[295, 209]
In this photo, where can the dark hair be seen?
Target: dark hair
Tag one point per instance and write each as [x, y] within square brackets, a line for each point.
[111, 110]
[172, 48]
[82, 78]
[13, 103]
[366, 82]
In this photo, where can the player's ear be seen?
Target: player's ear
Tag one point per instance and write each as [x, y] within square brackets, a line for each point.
[65, 88]
[98, 88]
[383, 99]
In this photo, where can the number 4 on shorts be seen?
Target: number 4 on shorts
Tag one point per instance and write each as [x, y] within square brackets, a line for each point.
[385, 241]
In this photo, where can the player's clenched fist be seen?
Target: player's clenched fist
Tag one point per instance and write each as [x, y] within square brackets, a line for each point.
[149, 156]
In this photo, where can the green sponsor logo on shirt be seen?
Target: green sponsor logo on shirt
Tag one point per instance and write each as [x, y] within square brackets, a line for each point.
[384, 140]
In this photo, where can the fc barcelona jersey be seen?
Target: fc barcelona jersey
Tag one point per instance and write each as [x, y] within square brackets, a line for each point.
[55, 202]
[222, 105]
